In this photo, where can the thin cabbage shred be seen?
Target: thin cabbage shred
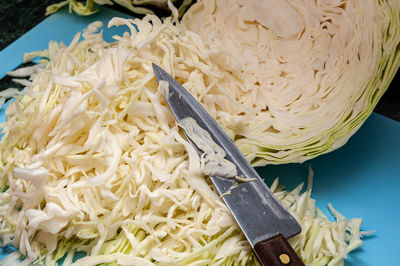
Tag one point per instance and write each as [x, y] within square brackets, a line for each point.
[92, 161]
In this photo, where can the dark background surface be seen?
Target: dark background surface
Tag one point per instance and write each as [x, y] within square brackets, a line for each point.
[19, 16]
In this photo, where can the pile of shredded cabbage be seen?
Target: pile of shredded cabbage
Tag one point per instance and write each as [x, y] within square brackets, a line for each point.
[92, 160]
[312, 71]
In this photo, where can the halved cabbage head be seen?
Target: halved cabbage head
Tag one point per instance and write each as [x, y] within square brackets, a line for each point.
[312, 71]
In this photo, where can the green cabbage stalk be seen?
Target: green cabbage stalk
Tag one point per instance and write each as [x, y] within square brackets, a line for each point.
[313, 71]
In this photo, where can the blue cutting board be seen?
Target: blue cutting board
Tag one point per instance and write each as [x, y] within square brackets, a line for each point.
[361, 179]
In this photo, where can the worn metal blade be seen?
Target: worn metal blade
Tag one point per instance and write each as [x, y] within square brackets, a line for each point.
[258, 213]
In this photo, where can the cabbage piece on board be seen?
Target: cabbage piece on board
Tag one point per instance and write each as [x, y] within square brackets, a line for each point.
[312, 71]
[135, 6]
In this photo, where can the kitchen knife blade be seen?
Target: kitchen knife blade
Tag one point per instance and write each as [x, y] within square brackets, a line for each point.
[263, 220]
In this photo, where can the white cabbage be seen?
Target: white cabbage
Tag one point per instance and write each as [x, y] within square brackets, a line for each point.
[312, 71]
[92, 161]
[212, 159]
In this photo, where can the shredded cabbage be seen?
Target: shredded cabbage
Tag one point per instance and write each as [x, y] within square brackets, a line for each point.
[312, 71]
[92, 161]
[212, 160]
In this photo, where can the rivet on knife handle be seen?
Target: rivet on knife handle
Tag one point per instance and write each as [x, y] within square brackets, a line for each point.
[276, 251]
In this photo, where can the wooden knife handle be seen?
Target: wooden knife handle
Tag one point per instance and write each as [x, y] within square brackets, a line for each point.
[276, 251]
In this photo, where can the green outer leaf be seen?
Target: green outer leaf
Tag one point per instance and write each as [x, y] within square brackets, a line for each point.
[55, 7]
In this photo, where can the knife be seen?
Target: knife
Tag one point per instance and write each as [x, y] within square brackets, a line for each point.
[264, 221]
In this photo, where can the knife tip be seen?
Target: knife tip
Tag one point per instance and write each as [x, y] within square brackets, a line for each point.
[157, 71]
[156, 68]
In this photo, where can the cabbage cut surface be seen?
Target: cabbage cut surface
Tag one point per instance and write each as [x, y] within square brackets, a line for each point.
[312, 71]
